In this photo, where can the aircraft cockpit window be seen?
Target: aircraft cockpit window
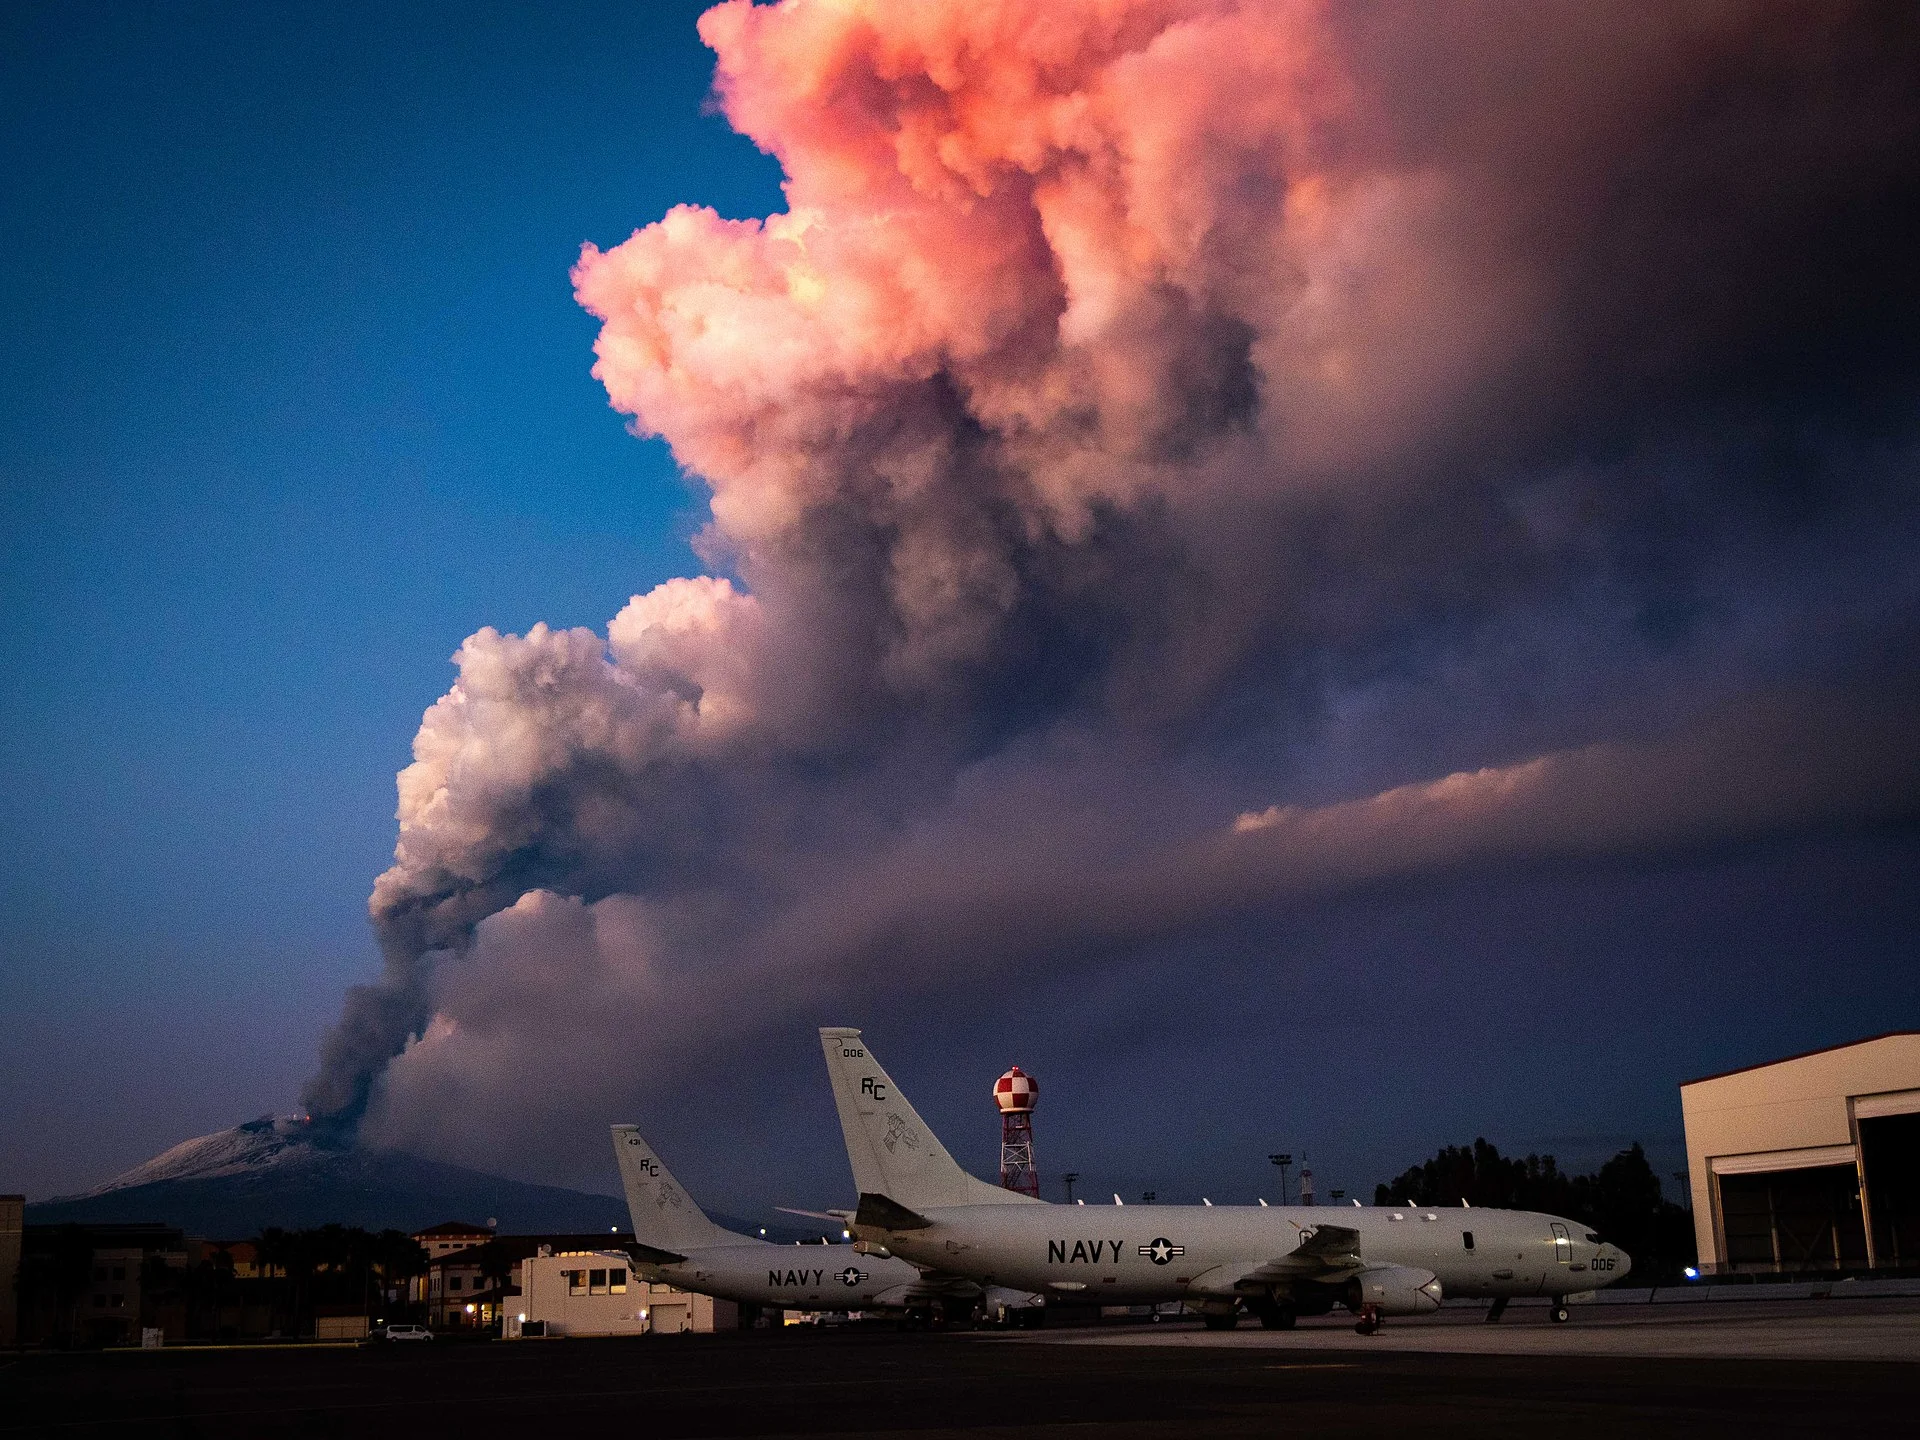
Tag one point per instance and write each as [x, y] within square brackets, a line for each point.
[1593, 1239]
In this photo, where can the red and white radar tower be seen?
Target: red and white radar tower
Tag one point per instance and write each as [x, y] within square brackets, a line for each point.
[1016, 1093]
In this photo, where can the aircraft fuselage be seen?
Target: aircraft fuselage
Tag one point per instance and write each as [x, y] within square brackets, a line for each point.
[791, 1277]
[1137, 1254]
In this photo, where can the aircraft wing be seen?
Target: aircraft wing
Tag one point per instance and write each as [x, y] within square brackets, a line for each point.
[939, 1285]
[1325, 1252]
[1336, 1243]
[843, 1216]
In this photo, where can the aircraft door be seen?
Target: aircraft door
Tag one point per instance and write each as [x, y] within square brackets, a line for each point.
[1562, 1246]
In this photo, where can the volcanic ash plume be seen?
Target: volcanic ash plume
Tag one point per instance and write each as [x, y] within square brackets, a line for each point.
[1144, 414]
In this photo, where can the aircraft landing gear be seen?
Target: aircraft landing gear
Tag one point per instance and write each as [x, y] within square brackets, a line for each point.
[1496, 1310]
[1370, 1321]
[1221, 1322]
[1275, 1316]
[1561, 1314]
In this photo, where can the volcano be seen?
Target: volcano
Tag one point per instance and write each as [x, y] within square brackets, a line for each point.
[290, 1172]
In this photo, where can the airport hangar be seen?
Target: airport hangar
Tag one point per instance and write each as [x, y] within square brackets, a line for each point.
[1811, 1163]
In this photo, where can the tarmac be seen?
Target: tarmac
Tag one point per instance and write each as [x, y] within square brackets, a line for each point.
[1867, 1330]
[1799, 1368]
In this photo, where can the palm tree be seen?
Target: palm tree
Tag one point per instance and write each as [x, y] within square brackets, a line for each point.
[304, 1254]
[399, 1257]
[217, 1271]
[496, 1272]
[159, 1282]
[72, 1272]
[57, 1273]
[275, 1249]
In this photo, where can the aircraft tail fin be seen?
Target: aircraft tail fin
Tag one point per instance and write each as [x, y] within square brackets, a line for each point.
[664, 1215]
[893, 1152]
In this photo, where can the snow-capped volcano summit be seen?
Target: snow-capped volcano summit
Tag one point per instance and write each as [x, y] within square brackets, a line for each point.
[291, 1172]
[270, 1142]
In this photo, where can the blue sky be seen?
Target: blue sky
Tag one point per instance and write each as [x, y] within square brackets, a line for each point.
[294, 397]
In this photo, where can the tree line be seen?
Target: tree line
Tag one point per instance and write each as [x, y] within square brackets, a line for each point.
[204, 1293]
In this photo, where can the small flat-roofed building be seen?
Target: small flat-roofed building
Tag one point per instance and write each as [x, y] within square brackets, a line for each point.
[1811, 1163]
[595, 1292]
[476, 1286]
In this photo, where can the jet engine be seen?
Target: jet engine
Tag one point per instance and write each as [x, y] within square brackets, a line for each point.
[1394, 1290]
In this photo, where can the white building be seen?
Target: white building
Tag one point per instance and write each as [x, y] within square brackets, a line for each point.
[1810, 1163]
[594, 1292]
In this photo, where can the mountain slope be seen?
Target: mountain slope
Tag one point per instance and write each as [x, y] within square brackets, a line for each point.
[236, 1182]
[288, 1172]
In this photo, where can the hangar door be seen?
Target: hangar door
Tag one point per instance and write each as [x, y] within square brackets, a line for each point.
[669, 1319]
[1803, 1218]
[1890, 1155]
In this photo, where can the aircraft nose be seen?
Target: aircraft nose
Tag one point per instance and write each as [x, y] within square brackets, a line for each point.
[1622, 1262]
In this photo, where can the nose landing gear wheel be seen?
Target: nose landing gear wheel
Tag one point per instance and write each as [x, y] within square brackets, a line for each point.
[1560, 1313]
[1369, 1322]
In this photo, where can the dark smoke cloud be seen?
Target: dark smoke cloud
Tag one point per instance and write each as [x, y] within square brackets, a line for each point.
[1146, 416]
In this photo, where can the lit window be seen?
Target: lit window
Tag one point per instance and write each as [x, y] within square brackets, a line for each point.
[576, 1281]
[617, 1281]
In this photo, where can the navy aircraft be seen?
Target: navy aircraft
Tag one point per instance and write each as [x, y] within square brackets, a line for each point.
[676, 1244]
[1277, 1261]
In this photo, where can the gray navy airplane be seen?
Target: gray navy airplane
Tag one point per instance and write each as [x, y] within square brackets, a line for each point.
[1277, 1261]
[676, 1244]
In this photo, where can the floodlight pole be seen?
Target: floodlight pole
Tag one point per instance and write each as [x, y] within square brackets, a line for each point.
[1283, 1161]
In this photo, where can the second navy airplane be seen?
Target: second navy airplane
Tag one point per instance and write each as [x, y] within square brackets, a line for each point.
[1278, 1261]
[676, 1244]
